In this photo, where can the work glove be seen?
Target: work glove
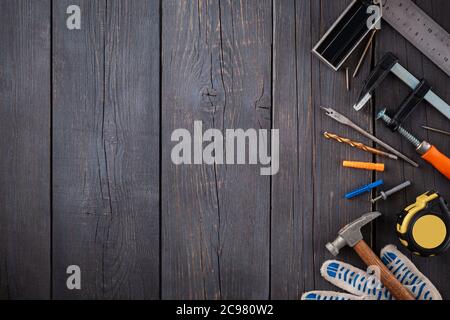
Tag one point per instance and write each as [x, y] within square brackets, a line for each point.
[364, 286]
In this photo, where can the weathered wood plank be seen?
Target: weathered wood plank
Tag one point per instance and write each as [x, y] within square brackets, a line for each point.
[331, 180]
[220, 239]
[215, 219]
[25, 147]
[425, 178]
[292, 253]
[106, 149]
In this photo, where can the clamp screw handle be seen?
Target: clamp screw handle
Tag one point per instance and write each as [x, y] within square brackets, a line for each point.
[402, 131]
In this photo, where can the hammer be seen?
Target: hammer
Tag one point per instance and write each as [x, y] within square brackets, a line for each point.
[351, 235]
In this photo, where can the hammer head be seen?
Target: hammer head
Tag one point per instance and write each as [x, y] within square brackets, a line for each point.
[351, 233]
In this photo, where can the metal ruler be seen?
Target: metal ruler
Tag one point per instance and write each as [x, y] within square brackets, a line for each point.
[419, 29]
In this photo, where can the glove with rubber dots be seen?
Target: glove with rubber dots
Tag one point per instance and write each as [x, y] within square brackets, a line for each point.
[361, 285]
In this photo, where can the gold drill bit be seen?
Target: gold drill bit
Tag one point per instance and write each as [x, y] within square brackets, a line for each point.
[358, 145]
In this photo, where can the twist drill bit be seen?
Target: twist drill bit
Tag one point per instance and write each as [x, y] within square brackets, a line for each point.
[358, 145]
[336, 116]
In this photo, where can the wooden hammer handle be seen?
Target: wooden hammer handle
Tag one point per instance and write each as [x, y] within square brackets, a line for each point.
[394, 286]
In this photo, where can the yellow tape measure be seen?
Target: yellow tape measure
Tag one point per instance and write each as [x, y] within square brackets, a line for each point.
[424, 226]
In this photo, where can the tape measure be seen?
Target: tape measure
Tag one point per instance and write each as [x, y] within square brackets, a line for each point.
[424, 226]
[419, 29]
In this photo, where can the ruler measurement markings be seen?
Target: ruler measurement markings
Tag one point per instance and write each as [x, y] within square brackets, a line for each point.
[422, 31]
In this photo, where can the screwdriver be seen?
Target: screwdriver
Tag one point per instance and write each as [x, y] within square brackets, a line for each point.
[385, 194]
[428, 152]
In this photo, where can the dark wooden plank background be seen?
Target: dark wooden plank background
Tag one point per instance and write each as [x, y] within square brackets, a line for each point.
[105, 149]
[86, 120]
[25, 113]
[216, 67]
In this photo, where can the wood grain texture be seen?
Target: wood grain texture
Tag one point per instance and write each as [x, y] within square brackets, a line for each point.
[106, 149]
[390, 94]
[80, 177]
[25, 149]
[331, 181]
[215, 219]
[292, 243]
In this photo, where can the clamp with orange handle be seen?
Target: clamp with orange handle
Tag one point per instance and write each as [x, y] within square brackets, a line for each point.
[439, 160]
[428, 152]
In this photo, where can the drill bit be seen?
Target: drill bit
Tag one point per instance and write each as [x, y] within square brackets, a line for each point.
[427, 151]
[346, 121]
[358, 145]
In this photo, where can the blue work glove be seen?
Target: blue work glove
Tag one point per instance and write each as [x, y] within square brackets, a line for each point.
[364, 286]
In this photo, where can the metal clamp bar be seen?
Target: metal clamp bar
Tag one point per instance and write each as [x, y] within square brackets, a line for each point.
[412, 82]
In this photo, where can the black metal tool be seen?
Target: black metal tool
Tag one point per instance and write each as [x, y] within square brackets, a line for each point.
[421, 90]
[346, 33]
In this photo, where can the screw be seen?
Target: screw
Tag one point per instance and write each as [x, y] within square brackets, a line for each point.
[385, 194]
[386, 119]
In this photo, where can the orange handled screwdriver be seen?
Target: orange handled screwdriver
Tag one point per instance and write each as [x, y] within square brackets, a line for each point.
[428, 152]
